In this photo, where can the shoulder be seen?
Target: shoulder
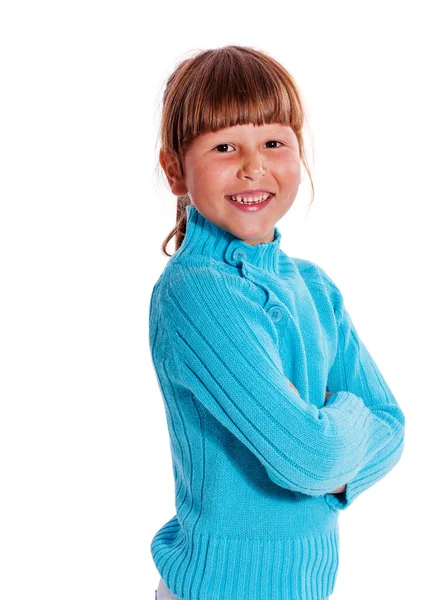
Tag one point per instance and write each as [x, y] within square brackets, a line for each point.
[314, 273]
[318, 279]
[199, 283]
[211, 294]
[188, 275]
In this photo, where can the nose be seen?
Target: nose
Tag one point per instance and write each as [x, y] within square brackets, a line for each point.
[252, 165]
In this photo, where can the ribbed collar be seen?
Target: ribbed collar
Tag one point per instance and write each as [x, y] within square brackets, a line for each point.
[207, 239]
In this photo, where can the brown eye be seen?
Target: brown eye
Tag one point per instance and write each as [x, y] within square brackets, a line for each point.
[274, 142]
[222, 146]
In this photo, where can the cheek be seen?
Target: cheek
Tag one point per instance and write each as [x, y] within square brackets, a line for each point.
[288, 168]
[213, 176]
[221, 171]
[197, 178]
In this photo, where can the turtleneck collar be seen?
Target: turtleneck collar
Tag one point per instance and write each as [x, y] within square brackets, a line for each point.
[207, 239]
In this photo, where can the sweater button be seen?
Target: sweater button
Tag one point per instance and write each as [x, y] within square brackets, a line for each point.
[239, 254]
[275, 313]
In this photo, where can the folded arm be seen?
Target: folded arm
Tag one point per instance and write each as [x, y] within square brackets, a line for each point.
[224, 347]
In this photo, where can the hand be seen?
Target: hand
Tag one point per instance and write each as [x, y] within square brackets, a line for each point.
[342, 488]
[292, 386]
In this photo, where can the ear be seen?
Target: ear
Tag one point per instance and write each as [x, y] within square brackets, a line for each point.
[169, 164]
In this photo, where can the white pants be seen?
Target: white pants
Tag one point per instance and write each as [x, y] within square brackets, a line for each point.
[163, 593]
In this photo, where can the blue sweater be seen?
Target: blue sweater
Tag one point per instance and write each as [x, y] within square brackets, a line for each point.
[232, 328]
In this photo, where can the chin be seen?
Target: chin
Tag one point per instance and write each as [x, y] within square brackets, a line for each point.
[252, 237]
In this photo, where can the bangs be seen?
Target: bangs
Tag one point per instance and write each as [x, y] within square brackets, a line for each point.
[230, 92]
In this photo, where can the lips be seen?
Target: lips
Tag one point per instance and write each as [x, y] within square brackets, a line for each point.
[251, 198]
[250, 193]
[249, 207]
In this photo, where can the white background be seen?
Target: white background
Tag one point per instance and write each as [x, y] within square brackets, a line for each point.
[85, 469]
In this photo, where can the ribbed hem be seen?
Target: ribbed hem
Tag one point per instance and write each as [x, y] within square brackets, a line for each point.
[198, 566]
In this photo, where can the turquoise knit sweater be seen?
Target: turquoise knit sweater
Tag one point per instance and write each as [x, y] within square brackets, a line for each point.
[254, 462]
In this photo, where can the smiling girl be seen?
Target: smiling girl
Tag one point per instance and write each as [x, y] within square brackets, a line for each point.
[278, 416]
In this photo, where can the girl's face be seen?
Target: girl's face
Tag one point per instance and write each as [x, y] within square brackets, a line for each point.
[240, 159]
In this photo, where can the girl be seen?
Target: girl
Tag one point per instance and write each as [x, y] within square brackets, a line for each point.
[277, 414]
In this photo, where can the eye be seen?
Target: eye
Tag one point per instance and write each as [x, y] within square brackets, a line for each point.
[222, 146]
[269, 142]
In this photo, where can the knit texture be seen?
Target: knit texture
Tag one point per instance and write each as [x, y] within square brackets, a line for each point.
[232, 329]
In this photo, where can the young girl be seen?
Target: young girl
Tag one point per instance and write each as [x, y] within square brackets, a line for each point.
[277, 414]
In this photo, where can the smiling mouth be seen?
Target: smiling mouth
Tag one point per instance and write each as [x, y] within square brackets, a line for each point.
[242, 200]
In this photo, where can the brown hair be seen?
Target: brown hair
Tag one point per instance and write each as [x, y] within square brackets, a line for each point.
[223, 87]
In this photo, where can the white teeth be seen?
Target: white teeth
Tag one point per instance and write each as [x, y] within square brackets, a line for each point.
[253, 200]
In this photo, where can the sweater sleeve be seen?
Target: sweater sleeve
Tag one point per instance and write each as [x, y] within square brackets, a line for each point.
[224, 347]
[355, 371]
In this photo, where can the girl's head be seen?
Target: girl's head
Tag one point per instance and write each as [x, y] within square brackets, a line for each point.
[232, 121]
